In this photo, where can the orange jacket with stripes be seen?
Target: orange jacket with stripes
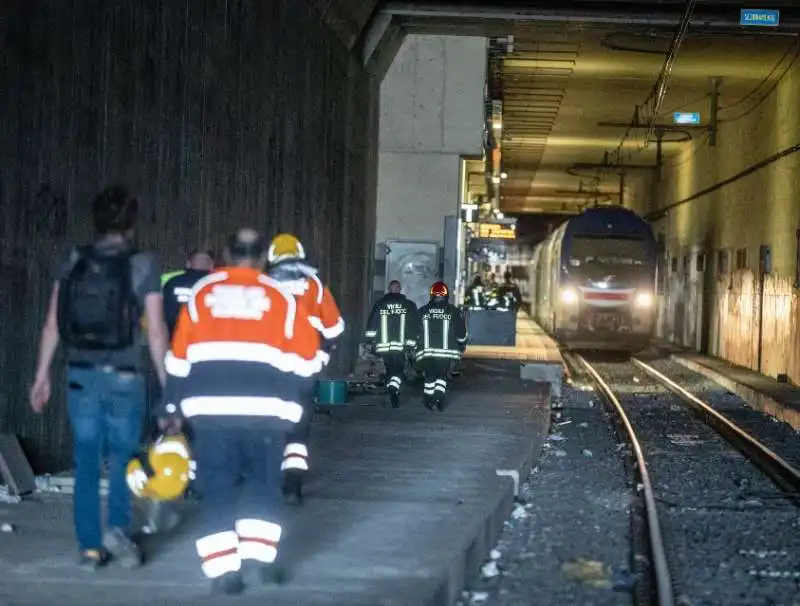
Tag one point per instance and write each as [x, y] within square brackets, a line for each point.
[246, 340]
[303, 282]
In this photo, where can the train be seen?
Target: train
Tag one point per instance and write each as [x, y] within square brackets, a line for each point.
[591, 283]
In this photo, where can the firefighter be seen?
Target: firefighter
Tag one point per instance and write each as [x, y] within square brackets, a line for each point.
[475, 297]
[442, 339]
[509, 294]
[391, 330]
[178, 287]
[287, 265]
[242, 354]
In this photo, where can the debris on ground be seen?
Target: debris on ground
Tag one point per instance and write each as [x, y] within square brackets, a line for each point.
[588, 572]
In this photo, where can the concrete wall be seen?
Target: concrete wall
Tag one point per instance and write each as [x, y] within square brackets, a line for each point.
[432, 112]
[215, 114]
[713, 302]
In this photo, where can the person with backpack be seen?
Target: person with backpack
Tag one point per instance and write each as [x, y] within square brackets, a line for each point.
[99, 294]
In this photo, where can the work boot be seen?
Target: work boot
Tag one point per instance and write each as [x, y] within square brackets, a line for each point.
[439, 401]
[229, 583]
[274, 574]
[293, 488]
[93, 559]
[394, 397]
[429, 402]
[122, 548]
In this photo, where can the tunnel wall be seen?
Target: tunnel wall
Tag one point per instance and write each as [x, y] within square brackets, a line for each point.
[718, 300]
[215, 114]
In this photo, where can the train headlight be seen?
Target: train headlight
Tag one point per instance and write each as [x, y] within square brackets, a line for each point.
[569, 296]
[643, 300]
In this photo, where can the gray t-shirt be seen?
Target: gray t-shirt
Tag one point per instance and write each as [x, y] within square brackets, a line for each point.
[146, 278]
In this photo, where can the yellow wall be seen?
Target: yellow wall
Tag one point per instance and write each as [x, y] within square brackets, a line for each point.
[762, 208]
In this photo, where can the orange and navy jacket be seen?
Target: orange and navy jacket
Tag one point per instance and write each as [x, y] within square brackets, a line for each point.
[242, 347]
[303, 282]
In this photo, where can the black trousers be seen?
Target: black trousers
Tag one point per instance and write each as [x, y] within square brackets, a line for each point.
[395, 363]
[238, 523]
[435, 371]
[295, 452]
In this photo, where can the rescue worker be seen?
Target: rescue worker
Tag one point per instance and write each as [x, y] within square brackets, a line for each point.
[476, 295]
[391, 330]
[242, 355]
[509, 295]
[179, 286]
[442, 339]
[287, 265]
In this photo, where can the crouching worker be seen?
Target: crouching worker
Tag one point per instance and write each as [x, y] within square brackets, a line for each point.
[443, 338]
[242, 354]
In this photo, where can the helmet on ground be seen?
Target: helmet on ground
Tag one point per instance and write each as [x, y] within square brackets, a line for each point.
[439, 291]
[165, 473]
[285, 246]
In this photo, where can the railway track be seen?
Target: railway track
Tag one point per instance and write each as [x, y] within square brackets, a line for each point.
[715, 516]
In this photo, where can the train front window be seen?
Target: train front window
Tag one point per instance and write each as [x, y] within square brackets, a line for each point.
[590, 249]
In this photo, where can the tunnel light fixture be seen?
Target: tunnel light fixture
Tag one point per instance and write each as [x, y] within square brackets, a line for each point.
[496, 180]
[504, 175]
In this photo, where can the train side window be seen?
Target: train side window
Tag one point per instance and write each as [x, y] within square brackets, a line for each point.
[723, 262]
[741, 258]
[700, 262]
[674, 264]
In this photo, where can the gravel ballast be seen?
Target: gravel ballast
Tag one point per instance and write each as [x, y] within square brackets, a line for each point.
[731, 540]
[568, 540]
[773, 433]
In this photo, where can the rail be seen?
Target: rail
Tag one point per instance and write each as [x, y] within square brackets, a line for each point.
[658, 555]
[776, 468]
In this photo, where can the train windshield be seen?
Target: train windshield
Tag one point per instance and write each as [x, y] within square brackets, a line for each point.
[605, 249]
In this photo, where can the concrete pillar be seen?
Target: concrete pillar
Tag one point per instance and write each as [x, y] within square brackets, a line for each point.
[431, 115]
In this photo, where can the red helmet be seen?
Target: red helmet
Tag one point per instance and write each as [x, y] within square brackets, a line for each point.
[439, 289]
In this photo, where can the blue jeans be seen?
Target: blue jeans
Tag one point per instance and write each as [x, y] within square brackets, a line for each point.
[106, 412]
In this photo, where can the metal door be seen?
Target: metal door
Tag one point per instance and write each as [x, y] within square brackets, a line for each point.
[415, 264]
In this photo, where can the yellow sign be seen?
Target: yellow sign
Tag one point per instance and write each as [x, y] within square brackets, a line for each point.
[493, 230]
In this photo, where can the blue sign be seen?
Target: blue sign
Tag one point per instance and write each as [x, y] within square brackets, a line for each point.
[686, 117]
[760, 17]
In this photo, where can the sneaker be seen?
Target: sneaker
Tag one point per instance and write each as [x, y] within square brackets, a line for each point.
[229, 583]
[122, 548]
[93, 559]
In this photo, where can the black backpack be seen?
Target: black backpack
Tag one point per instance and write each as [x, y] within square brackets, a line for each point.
[97, 307]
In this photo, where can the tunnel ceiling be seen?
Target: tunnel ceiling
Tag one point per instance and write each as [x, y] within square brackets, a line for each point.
[565, 75]
[559, 88]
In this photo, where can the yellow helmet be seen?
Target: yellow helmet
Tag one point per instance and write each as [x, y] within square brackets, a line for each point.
[166, 473]
[285, 246]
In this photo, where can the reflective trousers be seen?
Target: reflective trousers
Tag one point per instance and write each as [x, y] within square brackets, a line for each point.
[295, 452]
[238, 521]
[435, 371]
[395, 363]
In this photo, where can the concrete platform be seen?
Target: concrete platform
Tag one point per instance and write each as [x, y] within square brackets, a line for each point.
[402, 508]
[537, 354]
[763, 393]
